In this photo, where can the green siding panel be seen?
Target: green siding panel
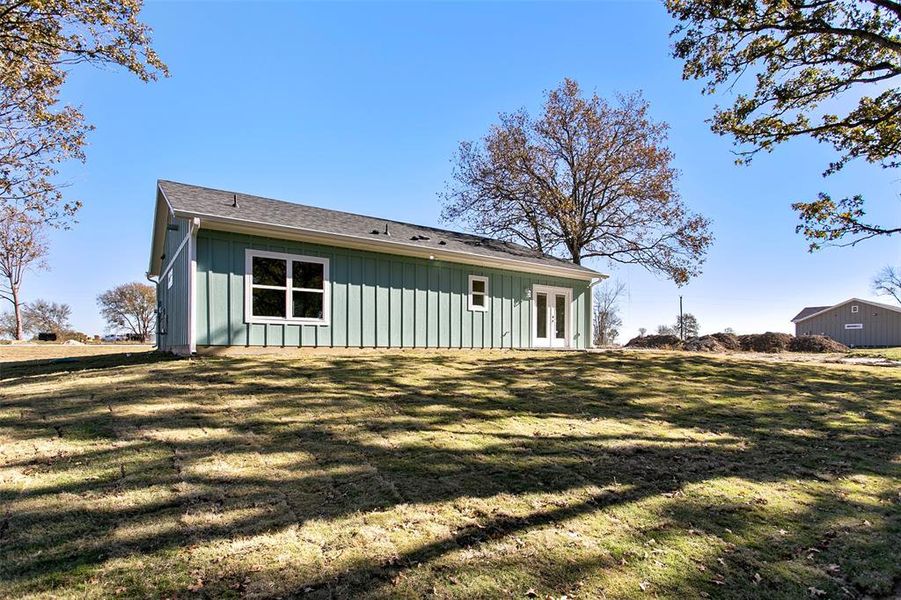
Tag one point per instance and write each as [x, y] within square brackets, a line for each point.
[376, 300]
[173, 301]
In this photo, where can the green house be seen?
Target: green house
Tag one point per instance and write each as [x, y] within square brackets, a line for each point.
[239, 270]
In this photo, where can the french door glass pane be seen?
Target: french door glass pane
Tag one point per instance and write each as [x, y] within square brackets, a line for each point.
[269, 271]
[541, 314]
[560, 318]
[268, 303]
[307, 305]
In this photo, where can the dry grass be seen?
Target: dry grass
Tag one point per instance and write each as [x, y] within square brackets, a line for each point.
[450, 475]
[889, 353]
[48, 352]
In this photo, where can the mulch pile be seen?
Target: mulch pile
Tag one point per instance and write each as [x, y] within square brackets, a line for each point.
[728, 341]
[816, 343]
[766, 342]
[706, 343]
[770, 342]
[662, 342]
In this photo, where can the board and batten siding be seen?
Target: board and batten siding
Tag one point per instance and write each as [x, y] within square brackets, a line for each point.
[377, 300]
[174, 300]
[881, 327]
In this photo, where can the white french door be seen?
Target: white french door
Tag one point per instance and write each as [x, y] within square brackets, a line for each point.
[551, 316]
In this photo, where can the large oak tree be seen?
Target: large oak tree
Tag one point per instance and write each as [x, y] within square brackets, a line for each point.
[585, 178]
[827, 69]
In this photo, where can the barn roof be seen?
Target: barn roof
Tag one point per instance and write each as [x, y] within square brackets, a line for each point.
[235, 211]
[808, 311]
[811, 311]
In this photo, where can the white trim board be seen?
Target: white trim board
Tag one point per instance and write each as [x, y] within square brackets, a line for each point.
[218, 223]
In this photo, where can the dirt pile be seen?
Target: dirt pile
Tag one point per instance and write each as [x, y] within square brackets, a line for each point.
[705, 343]
[769, 342]
[766, 342]
[729, 341]
[662, 342]
[816, 343]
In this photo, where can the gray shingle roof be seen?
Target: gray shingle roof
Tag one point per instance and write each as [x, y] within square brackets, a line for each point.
[809, 310]
[199, 201]
[812, 310]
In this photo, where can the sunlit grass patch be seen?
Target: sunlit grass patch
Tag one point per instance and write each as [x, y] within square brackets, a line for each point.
[457, 475]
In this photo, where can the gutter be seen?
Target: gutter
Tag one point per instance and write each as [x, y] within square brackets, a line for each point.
[590, 287]
[218, 222]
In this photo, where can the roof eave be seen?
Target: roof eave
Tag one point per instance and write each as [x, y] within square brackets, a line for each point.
[221, 223]
[162, 210]
[843, 302]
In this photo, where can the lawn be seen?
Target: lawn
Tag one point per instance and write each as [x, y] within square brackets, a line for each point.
[461, 474]
[890, 353]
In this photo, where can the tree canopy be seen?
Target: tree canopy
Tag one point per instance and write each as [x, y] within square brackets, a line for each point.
[130, 307]
[39, 42]
[826, 69]
[586, 178]
[42, 316]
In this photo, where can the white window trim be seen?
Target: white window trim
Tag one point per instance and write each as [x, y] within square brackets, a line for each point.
[476, 307]
[854, 308]
[853, 325]
[249, 317]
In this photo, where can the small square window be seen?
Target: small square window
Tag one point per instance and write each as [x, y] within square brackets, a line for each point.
[478, 293]
[854, 308]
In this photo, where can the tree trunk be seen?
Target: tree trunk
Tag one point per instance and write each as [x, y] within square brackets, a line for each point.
[17, 309]
[575, 250]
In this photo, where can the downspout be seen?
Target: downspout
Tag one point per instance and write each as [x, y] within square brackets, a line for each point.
[192, 285]
[156, 329]
[591, 285]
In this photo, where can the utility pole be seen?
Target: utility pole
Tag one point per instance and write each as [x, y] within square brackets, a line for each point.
[681, 321]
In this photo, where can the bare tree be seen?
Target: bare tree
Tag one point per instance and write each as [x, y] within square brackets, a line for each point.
[606, 313]
[8, 327]
[585, 179]
[22, 247]
[687, 326]
[642, 331]
[130, 306]
[42, 316]
[888, 283]
[665, 330]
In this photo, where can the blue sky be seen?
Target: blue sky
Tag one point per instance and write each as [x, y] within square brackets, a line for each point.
[360, 107]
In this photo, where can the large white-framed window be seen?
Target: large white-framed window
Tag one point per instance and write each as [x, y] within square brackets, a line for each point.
[478, 293]
[285, 288]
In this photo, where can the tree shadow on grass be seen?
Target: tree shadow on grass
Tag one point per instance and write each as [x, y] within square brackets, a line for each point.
[50, 366]
[378, 432]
